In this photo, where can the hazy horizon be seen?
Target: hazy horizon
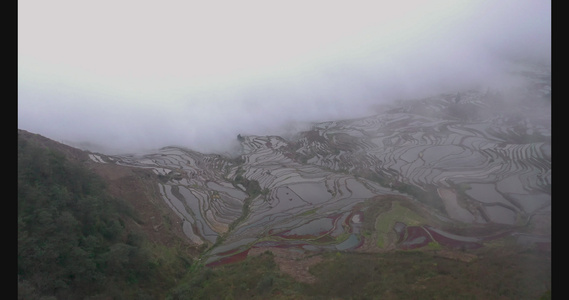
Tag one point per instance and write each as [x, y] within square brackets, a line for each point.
[137, 75]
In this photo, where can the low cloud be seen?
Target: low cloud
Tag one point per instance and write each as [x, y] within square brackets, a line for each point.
[198, 80]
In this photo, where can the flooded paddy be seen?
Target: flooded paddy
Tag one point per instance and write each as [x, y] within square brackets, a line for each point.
[453, 208]
[313, 191]
[352, 242]
[486, 193]
[500, 214]
[315, 227]
[228, 189]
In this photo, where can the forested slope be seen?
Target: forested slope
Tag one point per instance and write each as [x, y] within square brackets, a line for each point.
[73, 242]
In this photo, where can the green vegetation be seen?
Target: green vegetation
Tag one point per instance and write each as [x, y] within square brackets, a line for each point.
[373, 176]
[421, 275]
[397, 213]
[496, 274]
[172, 175]
[308, 212]
[429, 196]
[434, 246]
[386, 221]
[72, 238]
[253, 189]
[254, 278]
[381, 215]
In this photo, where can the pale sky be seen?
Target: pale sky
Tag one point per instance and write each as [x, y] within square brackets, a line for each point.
[131, 75]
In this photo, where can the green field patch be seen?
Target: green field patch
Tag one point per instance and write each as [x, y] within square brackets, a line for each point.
[325, 240]
[385, 221]
[308, 212]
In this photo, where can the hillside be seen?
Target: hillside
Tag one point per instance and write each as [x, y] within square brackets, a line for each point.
[83, 233]
[332, 188]
[444, 189]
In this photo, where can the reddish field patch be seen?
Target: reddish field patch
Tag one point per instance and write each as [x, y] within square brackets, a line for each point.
[453, 243]
[412, 237]
[229, 259]
[417, 237]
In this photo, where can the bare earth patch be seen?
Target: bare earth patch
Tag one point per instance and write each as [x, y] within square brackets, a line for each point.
[293, 263]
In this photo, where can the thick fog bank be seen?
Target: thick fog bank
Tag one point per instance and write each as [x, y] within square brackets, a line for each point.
[196, 76]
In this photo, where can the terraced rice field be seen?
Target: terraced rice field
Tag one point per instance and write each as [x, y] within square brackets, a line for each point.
[311, 193]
